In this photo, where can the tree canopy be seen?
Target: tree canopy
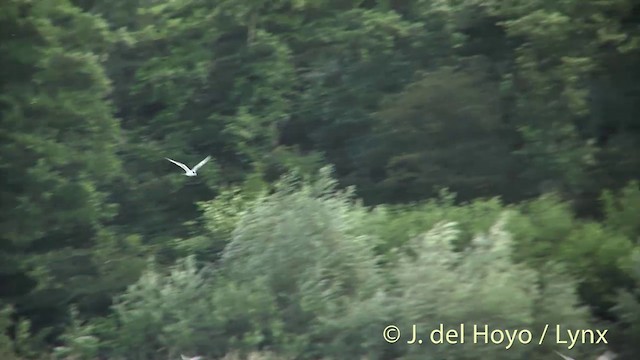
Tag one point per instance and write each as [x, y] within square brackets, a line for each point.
[374, 162]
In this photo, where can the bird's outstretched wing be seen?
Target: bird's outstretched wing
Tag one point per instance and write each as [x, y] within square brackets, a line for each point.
[565, 357]
[183, 166]
[195, 168]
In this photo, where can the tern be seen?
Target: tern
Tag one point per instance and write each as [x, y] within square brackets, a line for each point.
[191, 172]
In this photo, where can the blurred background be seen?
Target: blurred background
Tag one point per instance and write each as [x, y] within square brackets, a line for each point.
[374, 163]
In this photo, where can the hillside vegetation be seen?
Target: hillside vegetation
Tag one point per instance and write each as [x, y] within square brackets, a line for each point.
[374, 163]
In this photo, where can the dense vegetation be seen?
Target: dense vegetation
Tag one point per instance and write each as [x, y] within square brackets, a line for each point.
[375, 162]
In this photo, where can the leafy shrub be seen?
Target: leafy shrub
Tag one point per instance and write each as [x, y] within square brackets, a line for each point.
[305, 244]
[628, 310]
[481, 285]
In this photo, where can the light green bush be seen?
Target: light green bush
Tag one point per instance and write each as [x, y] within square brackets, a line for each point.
[306, 245]
[300, 278]
[481, 285]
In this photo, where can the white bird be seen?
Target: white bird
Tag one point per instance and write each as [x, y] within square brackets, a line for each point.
[191, 172]
[190, 358]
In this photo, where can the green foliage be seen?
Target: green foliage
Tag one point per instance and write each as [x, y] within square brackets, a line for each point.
[622, 209]
[299, 276]
[52, 123]
[17, 340]
[500, 102]
[151, 310]
[548, 231]
[58, 163]
[302, 242]
[543, 223]
[395, 225]
[424, 135]
[347, 58]
[80, 343]
[437, 284]
[7, 350]
[559, 47]
[628, 309]
[545, 231]
[179, 312]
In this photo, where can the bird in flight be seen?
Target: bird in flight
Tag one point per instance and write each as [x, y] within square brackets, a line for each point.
[191, 172]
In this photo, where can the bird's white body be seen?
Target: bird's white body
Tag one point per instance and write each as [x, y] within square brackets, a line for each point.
[193, 171]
